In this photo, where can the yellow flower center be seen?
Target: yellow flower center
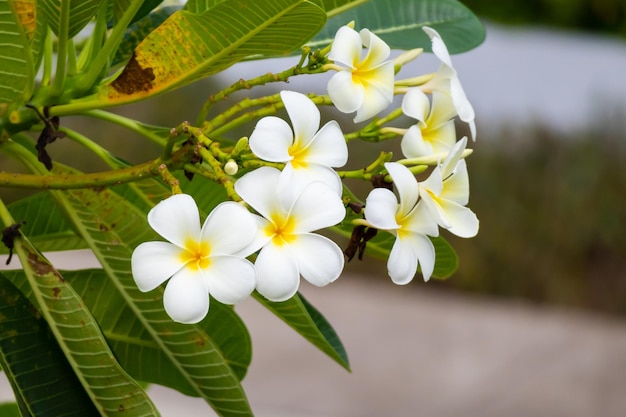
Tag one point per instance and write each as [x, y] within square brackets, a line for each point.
[299, 154]
[196, 254]
[281, 229]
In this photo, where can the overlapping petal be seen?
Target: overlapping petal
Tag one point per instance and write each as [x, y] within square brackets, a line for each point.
[230, 279]
[446, 191]
[186, 296]
[364, 85]
[199, 260]
[320, 261]
[176, 219]
[278, 276]
[154, 262]
[435, 131]
[228, 229]
[271, 138]
[406, 184]
[407, 253]
[288, 248]
[447, 81]
[381, 206]
[317, 207]
[258, 189]
[328, 146]
[304, 116]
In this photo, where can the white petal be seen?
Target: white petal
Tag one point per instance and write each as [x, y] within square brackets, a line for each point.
[413, 144]
[317, 207]
[416, 104]
[443, 109]
[271, 138]
[434, 183]
[304, 116]
[346, 47]
[443, 138]
[294, 180]
[381, 206]
[186, 297]
[456, 186]
[420, 221]
[377, 50]
[176, 219]
[376, 99]
[402, 263]
[230, 279]
[260, 239]
[258, 189]
[319, 259]
[434, 208]
[461, 220]
[405, 256]
[345, 94]
[229, 228]
[278, 277]
[328, 146]
[438, 46]
[449, 164]
[406, 184]
[425, 255]
[378, 84]
[462, 104]
[154, 262]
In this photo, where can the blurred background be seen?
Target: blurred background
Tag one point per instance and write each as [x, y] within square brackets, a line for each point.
[548, 183]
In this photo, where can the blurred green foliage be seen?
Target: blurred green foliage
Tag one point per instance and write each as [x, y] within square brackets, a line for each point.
[553, 219]
[594, 15]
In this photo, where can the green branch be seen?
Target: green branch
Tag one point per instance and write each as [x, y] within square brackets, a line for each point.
[261, 80]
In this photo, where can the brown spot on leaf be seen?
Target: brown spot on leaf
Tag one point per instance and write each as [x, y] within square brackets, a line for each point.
[41, 267]
[134, 78]
[56, 291]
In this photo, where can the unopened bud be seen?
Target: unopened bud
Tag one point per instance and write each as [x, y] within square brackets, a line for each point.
[231, 167]
[406, 57]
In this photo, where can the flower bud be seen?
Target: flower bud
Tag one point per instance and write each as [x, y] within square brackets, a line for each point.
[231, 167]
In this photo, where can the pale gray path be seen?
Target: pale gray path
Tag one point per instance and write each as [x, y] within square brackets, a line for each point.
[417, 352]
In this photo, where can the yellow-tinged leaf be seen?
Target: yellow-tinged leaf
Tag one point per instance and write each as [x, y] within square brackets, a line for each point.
[26, 12]
[188, 46]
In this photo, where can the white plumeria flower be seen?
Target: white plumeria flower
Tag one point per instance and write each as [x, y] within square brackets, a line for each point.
[408, 220]
[435, 132]
[309, 154]
[288, 248]
[200, 261]
[364, 85]
[446, 192]
[446, 80]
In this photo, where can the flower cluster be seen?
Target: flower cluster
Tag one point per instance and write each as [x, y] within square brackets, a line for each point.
[282, 208]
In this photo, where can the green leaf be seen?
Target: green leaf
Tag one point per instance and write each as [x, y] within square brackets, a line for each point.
[80, 13]
[138, 352]
[113, 227]
[79, 336]
[45, 224]
[17, 72]
[189, 46]
[41, 376]
[9, 410]
[120, 6]
[335, 7]
[400, 22]
[331, 7]
[301, 316]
